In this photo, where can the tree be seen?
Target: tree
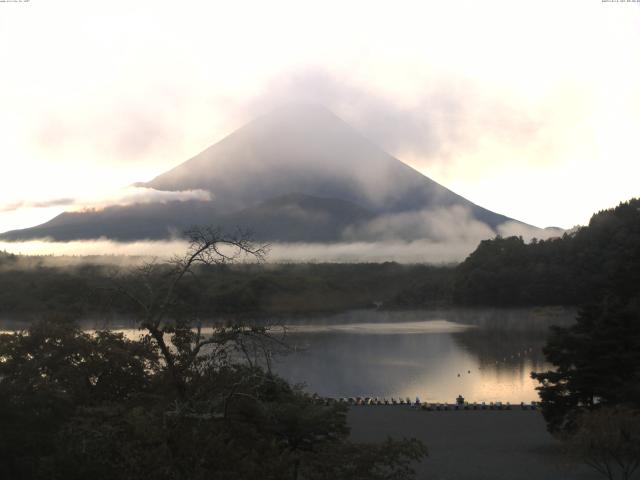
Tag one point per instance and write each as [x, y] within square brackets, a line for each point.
[48, 372]
[597, 363]
[608, 440]
[165, 311]
[582, 265]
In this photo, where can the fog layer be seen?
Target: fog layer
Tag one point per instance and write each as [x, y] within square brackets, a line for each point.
[452, 245]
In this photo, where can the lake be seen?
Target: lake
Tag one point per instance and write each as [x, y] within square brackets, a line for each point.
[483, 354]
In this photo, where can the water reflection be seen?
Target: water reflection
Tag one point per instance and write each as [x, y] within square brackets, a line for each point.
[485, 355]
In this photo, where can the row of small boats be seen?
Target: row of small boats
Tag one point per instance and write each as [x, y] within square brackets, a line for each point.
[460, 404]
[478, 406]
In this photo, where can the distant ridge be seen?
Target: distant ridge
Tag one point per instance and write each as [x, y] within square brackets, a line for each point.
[299, 173]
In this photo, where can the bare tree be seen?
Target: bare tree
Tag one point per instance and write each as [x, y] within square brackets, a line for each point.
[154, 288]
[608, 440]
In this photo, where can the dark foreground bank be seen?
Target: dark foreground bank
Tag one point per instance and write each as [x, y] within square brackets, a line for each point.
[473, 445]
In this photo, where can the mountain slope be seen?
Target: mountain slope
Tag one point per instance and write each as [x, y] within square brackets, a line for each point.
[290, 218]
[297, 174]
[307, 149]
[132, 222]
[299, 218]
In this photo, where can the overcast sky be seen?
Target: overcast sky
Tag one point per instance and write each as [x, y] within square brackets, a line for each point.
[528, 108]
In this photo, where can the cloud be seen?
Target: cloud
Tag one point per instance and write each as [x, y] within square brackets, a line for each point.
[510, 229]
[404, 252]
[125, 196]
[419, 251]
[57, 202]
[456, 235]
[449, 116]
[135, 195]
[454, 225]
[123, 131]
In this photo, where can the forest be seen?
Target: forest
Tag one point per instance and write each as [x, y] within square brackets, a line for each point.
[570, 270]
[29, 288]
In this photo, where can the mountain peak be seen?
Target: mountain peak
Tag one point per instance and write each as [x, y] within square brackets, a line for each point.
[306, 148]
[298, 120]
[298, 147]
[301, 110]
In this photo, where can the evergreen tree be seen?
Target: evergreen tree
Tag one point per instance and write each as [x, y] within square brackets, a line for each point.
[596, 363]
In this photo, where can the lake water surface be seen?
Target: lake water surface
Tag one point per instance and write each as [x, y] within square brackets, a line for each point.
[484, 355]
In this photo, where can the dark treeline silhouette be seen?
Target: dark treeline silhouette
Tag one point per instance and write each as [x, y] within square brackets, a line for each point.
[570, 270]
[596, 362]
[228, 289]
[591, 396]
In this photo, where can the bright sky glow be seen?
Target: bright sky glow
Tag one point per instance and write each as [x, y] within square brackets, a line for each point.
[531, 109]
